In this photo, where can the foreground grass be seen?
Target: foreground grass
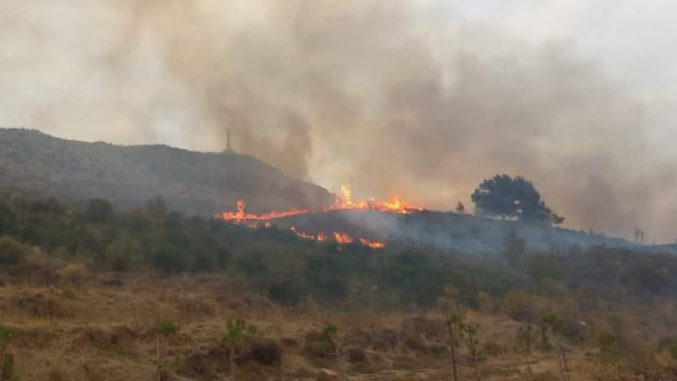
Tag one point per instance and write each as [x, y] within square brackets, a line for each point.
[105, 329]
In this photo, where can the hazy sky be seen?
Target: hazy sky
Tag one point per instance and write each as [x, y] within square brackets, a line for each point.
[421, 98]
[633, 41]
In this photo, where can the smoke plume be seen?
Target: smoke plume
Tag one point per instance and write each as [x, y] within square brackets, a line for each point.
[391, 96]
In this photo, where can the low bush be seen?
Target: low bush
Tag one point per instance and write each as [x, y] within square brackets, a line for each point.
[316, 344]
[357, 355]
[266, 352]
[12, 252]
[74, 274]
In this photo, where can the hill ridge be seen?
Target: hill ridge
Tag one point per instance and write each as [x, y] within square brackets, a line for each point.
[193, 182]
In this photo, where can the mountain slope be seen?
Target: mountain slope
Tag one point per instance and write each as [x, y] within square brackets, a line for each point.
[449, 231]
[191, 182]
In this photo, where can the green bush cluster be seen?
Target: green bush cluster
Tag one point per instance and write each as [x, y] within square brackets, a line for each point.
[290, 270]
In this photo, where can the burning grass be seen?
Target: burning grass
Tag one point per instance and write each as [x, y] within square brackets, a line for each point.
[345, 202]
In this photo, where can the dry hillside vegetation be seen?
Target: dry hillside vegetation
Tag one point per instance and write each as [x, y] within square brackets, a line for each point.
[107, 328]
[95, 294]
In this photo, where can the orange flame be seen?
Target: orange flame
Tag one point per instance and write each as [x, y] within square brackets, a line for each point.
[372, 244]
[343, 238]
[344, 202]
[303, 235]
[394, 205]
[241, 215]
[340, 238]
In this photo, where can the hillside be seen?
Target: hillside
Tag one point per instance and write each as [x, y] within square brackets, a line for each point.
[453, 232]
[191, 182]
[206, 183]
[450, 231]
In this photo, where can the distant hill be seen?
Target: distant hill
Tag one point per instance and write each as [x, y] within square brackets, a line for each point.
[33, 163]
[191, 182]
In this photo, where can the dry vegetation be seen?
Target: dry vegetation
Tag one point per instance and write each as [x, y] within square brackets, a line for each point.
[106, 329]
[92, 294]
[108, 326]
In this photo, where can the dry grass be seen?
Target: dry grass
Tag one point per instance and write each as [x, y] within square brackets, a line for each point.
[103, 332]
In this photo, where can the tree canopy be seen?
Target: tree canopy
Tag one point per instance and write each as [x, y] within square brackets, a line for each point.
[100, 211]
[513, 198]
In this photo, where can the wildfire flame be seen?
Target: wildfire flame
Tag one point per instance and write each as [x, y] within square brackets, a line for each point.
[240, 215]
[344, 202]
[340, 238]
[373, 244]
[343, 238]
[394, 205]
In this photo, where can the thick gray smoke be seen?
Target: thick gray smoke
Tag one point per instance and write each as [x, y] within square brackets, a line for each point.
[387, 95]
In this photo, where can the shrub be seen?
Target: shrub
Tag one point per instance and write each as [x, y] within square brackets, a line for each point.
[39, 306]
[514, 247]
[669, 344]
[74, 274]
[202, 262]
[317, 344]
[541, 267]
[486, 303]
[156, 207]
[266, 352]
[438, 349]
[197, 365]
[609, 349]
[12, 252]
[289, 293]
[169, 260]
[99, 211]
[239, 337]
[222, 258]
[7, 368]
[6, 335]
[7, 217]
[415, 344]
[357, 355]
[493, 348]
[520, 306]
[253, 264]
[6, 359]
[166, 327]
[119, 254]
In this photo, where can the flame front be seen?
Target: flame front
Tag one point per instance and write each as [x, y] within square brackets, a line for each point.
[241, 215]
[343, 238]
[372, 244]
[344, 202]
[394, 205]
[340, 238]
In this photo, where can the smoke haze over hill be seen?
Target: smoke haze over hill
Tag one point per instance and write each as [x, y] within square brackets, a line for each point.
[390, 96]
